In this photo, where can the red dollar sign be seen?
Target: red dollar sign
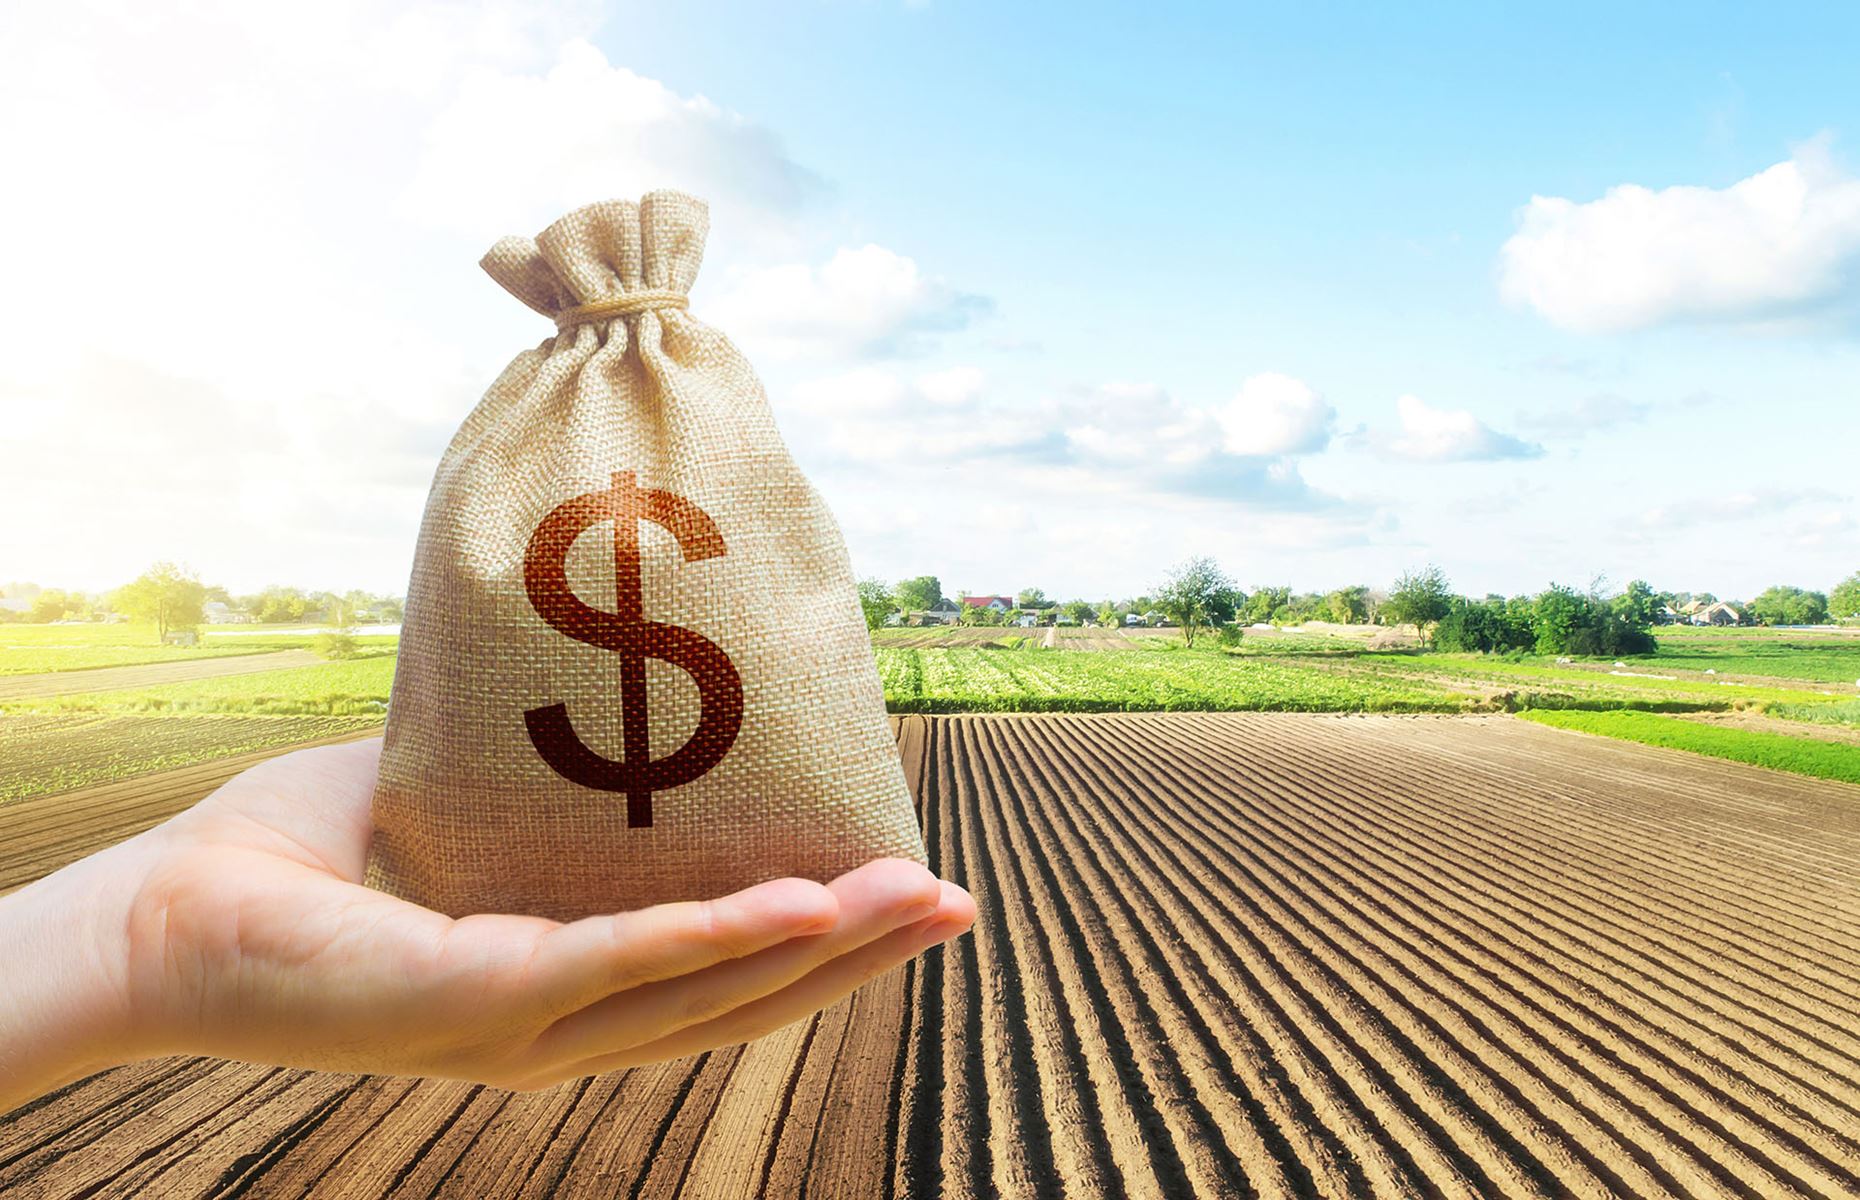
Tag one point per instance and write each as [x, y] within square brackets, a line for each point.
[628, 634]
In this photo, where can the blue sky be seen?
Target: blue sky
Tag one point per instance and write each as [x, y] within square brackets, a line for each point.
[1044, 295]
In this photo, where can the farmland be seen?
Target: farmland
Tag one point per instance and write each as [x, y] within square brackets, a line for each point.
[1796, 678]
[1218, 955]
[35, 649]
[41, 649]
[1791, 686]
[356, 687]
[1825, 657]
[974, 680]
[1803, 755]
[62, 741]
[54, 752]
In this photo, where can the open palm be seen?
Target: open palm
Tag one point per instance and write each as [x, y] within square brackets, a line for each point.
[249, 935]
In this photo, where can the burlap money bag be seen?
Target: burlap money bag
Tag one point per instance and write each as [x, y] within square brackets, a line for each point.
[634, 667]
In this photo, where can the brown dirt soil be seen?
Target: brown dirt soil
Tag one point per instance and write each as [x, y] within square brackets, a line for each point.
[1219, 955]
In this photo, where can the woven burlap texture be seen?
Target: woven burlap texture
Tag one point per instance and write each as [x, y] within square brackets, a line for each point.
[469, 815]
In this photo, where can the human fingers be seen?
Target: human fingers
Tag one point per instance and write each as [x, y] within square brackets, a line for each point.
[576, 964]
[351, 972]
[873, 900]
[821, 988]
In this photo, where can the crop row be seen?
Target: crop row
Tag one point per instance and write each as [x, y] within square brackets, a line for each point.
[356, 688]
[956, 680]
[1709, 692]
[54, 752]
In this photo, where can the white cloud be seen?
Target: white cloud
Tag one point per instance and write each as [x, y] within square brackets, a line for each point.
[1128, 439]
[1782, 243]
[1275, 414]
[1744, 504]
[1429, 434]
[863, 302]
[872, 417]
[511, 151]
[250, 308]
[1096, 489]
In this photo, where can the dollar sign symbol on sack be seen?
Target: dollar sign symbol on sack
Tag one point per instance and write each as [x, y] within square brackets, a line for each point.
[633, 639]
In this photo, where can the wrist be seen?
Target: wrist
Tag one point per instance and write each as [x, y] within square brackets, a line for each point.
[64, 1000]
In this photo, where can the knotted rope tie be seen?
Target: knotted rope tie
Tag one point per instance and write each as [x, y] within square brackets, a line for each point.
[619, 306]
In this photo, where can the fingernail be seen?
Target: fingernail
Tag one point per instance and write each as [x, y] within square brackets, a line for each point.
[943, 931]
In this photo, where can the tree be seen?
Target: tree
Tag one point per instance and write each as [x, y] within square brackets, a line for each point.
[919, 594]
[874, 602]
[1637, 605]
[1488, 626]
[166, 595]
[1194, 592]
[50, 605]
[279, 605]
[1844, 600]
[1032, 598]
[1421, 599]
[1348, 605]
[1107, 614]
[338, 641]
[1259, 607]
[1559, 614]
[1079, 611]
[1567, 621]
[1783, 605]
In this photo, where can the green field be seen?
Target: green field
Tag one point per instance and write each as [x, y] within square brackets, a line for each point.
[1803, 756]
[1783, 654]
[36, 649]
[1843, 712]
[974, 680]
[41, 649]
[60, 742]
[54, 752]
[351, 688]
[1639, 682]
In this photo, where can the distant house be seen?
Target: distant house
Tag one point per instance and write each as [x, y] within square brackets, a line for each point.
[1027, 620]
[1716, 614]
[218, 612]
[942, 614]
[999, 604]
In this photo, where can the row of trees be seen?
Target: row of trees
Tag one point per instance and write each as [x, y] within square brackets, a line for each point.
[171, 597]
[1199, 597]
[1557, 620]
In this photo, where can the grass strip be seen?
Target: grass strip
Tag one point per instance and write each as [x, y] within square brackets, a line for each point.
[1801, 756]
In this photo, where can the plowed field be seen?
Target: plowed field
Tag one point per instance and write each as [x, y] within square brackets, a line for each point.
[1219, 955]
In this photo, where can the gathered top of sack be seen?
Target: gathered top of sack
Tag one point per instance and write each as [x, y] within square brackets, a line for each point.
[607, 259]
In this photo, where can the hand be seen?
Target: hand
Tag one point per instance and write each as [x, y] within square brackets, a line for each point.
[240, 929]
